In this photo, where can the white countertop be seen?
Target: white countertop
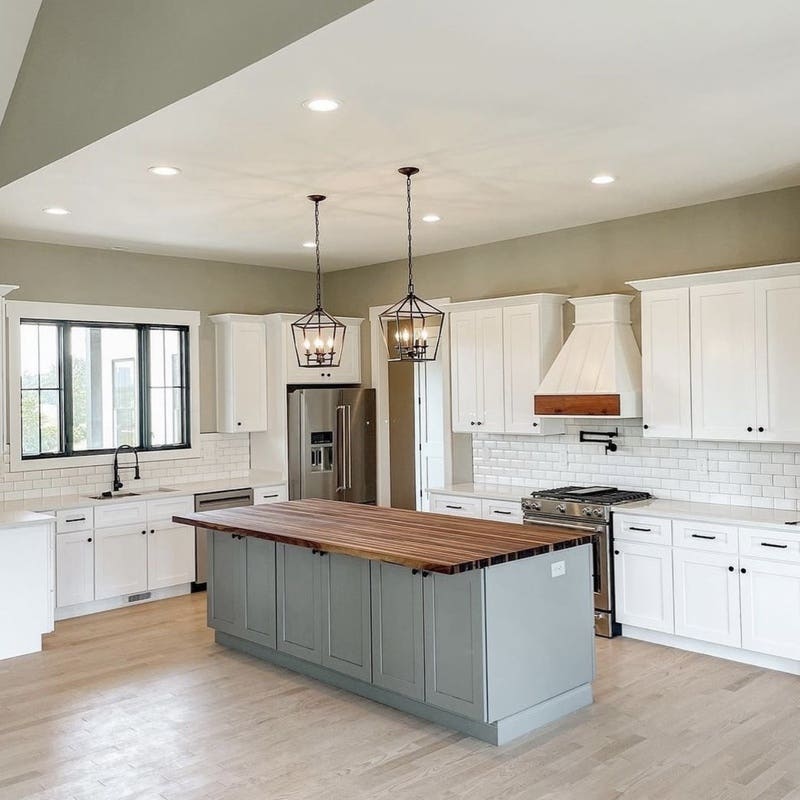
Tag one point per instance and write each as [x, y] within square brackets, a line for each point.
[713, 512]
[491, 491]
[17, 519]
[255, 479]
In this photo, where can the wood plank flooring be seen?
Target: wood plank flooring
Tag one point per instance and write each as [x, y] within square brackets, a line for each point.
[140, 704]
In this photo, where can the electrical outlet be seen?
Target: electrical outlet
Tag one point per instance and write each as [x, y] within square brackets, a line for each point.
[558, 568]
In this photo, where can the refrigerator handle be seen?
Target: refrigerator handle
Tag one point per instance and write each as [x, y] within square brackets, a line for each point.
[341, 469]
[349, 449]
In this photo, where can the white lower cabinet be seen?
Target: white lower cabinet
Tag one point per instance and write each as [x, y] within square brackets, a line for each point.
[643, 585]
[770, 607]
[74, 568]
[706, 589]
[120, 559]
[456, 506]
[170, 555]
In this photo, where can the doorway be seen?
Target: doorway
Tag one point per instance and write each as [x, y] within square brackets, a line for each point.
[402, 435]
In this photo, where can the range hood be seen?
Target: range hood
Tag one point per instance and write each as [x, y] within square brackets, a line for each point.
[598, 372]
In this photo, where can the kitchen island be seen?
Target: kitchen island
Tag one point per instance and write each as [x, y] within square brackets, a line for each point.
[484, 627]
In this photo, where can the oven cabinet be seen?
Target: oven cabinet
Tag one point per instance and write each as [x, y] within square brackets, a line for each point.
[643, 585]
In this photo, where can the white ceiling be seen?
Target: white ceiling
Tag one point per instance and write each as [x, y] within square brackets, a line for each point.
[509, 107]
[16, 23]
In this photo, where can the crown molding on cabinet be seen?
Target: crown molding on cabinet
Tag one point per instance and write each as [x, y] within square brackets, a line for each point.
[717, 276]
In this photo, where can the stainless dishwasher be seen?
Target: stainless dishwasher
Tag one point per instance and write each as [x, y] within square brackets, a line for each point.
[212, 501]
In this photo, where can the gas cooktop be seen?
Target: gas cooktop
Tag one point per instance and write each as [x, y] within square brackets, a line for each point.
[597, 495]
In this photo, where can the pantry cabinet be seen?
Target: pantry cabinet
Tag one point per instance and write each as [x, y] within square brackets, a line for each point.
[499, 352]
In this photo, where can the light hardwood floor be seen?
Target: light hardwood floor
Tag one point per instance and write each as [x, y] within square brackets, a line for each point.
[141, 704]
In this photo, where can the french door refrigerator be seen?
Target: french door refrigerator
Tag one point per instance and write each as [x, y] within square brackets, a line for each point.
[332, 444]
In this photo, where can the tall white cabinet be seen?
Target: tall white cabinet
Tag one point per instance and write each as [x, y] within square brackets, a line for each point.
[499, 352]
[718, 353]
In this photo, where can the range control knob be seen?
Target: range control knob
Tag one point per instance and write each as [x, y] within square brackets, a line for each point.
[561, 508]
[598, 512]
[536, 505]
[587, 512]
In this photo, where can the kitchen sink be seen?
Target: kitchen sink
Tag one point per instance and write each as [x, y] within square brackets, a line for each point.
[115, 495]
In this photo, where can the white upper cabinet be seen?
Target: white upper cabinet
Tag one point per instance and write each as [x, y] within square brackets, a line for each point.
[666, 364]
[723, 332]
[349, 369]
[777, 315]
[499, 351]
[241, 373]
[735, 334]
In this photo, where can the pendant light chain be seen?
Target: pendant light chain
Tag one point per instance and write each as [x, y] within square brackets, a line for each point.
[316, 240]
[408, 210]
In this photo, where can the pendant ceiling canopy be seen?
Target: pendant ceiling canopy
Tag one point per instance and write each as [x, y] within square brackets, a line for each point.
[411, 327]
[318, 336]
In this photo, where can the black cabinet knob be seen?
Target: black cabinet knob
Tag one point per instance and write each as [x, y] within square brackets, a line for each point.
[535, 424]
[144, 533]
[239, 424]
[645, 426]
[749, 429]
[616, 552]
[730, 569]
[89, 539]
[743, 570]
[472, 422]
[761, 430]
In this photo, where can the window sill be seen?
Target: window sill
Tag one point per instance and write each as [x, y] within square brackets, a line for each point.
[101, 460]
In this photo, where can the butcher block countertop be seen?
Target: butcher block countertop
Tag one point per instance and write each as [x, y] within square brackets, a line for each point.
[415, 539]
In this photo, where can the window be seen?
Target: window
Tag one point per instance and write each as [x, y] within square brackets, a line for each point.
[88, 387]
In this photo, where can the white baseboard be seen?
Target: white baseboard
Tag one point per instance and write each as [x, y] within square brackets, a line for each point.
[710, 649]
[109, 604]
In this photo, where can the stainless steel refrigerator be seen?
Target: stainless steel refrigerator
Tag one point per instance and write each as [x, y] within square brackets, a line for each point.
[332, 444]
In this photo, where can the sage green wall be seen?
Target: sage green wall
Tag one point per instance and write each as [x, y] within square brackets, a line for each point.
[55, 273]
[591, 259]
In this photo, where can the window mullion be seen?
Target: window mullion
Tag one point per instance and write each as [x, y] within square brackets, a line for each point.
[65, 379]
[145, 437]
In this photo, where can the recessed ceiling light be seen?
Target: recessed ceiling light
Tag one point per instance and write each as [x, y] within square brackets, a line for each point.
[56, 211]
[164, 170]
[309, 244]
[602, 180]
[431, 218]
[322, 104]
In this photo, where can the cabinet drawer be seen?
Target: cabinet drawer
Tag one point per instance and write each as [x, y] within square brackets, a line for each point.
[642, 529]
[705, 536]
[456, 506]
[164, 509]
[771, 544]
[270, 494]
[120, 514]
[502, 510]
[74, 519]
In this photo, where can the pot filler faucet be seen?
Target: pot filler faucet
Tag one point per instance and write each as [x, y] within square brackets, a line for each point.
[117, 467]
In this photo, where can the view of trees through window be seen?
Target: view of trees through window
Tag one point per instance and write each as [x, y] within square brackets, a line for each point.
[90, 387]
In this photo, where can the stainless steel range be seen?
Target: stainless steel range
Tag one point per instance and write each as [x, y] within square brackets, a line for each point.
[586, 508]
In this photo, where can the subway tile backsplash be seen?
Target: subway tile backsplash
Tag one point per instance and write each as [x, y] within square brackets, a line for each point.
[735, 473]
[222, 456]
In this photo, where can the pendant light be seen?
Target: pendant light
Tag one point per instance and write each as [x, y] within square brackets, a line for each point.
[411, 327]
[318, 337]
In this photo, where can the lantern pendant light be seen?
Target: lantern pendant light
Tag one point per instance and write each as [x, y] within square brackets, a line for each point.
[318, 337]
[411, 327]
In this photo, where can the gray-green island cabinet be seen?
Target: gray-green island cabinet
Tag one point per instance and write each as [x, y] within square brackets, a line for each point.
[493, 652]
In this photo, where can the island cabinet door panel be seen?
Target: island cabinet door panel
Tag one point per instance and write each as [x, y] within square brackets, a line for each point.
[120, 561]
[225, 580]
[707, 596]
[74, 568]
[770, 607]
[346, 645]
[455, 663]
[397, 636]
[299, 607]
[643, 585]
[259, 592]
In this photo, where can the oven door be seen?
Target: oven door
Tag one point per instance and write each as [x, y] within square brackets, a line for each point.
[601, 563]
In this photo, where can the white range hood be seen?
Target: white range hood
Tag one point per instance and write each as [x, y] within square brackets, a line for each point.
[598, 372]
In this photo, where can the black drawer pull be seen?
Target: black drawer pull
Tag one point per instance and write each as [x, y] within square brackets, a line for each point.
[641, 530]
[505, 513]
[778, 546]
[76, 519]
[456, 508]
[701, 536]
[269, 496]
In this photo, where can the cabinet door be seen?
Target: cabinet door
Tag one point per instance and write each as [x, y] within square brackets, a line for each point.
[348, 371]
[464, 371]
[259, 624]
[643, 585]
[521, 367]
[723, 367]
[225, 580]
[455, 670]
[120, 561]
[397, 636]
[74, 568]
[491, 411]
[770, 607]
[707, 596]
[777, 344]
[345, 595]
[249, 369]
[299, 607]
[666, 370]
[170, 555]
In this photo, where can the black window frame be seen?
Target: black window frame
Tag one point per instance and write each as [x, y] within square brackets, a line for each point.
[143, 330]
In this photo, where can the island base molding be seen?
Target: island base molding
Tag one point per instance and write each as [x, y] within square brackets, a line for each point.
[711, 649]
[496, 733]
